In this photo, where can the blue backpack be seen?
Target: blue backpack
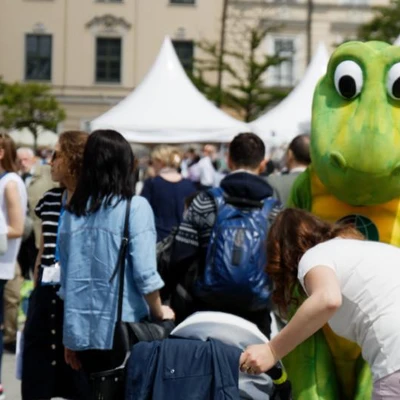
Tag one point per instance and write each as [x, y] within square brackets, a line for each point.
[234, 276]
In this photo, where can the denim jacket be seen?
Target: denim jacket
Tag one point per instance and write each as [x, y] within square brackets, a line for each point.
[183, 369]
[89, 247]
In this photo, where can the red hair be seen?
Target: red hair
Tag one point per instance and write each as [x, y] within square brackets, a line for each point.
[293, 232]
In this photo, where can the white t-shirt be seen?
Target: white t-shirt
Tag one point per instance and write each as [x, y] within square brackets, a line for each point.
[207, 172]
[3, 233]
[369, 278]
[8, 260]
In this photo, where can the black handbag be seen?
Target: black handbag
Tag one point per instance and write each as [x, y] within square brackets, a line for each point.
[110, 384]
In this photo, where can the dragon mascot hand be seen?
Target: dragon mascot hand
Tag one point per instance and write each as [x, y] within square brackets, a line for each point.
[354, 176]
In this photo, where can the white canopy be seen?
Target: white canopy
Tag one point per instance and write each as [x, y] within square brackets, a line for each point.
[24, 137]
[292, 115]
[167, 108]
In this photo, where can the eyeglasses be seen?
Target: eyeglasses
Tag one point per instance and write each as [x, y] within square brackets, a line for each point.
[54, 156]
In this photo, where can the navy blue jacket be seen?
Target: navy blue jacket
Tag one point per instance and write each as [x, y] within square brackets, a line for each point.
[183, 369]
[167, 201]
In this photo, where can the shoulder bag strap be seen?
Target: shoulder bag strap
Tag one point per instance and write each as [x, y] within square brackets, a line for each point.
[121, 261]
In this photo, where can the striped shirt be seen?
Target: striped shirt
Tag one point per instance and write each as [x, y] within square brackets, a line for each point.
[48, 210]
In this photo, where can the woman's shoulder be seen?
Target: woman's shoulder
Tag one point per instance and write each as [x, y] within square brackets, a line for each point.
[54, 194]
[140, 212]
[328, 246]
[188, 183]
[50, 200]
[12, 177]
[334, 249]
[13, 182]
[140, 202]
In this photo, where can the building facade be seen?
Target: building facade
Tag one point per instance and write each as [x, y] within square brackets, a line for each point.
[94, 52]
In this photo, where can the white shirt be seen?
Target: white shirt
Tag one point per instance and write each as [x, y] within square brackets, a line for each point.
[8, 260]
[369, 278]
[297, 169]
[28, 180]
[207, 172]
[3, 233]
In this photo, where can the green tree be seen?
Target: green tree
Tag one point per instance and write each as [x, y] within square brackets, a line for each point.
[384, 26]
[245, 69]
[29, 105]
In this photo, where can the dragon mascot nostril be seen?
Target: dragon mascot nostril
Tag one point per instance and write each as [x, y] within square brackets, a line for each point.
[354, 176]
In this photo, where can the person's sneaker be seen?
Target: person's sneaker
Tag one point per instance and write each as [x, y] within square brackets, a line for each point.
[2, 395]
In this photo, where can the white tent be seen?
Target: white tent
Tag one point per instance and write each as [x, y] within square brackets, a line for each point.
[292, 115]
[24, 137]
[167, 108]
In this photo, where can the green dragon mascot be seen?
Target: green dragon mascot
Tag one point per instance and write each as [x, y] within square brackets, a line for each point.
[354, 176]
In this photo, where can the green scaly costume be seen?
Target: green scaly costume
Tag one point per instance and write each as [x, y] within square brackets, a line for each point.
[354, 175]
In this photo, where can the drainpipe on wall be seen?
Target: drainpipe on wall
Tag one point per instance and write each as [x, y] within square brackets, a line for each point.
[221, 52]
[310, 7]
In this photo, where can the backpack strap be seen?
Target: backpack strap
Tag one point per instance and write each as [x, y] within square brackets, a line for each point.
[268, 205]
[218, 195]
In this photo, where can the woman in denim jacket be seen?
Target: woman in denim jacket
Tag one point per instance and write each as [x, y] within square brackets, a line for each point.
[89, 240]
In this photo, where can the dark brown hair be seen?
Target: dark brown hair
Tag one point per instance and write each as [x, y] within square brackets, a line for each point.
[293, 232]
[246, 150]
[10, 153]
[72, 145]
[300, 147]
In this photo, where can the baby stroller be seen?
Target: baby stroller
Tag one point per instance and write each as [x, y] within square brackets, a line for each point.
[155, 369]
[236, 331]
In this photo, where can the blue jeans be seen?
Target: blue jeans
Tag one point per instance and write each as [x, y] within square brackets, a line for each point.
[2, 284]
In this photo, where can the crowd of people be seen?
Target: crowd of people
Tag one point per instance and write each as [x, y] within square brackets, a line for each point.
[63, 223]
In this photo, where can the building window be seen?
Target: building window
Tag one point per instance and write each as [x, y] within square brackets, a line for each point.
[108, 60]
[38, 57]
[284, 72]
[182, 1]
[184, 49]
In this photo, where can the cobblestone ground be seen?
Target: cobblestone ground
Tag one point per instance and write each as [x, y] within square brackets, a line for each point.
[11, 385]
